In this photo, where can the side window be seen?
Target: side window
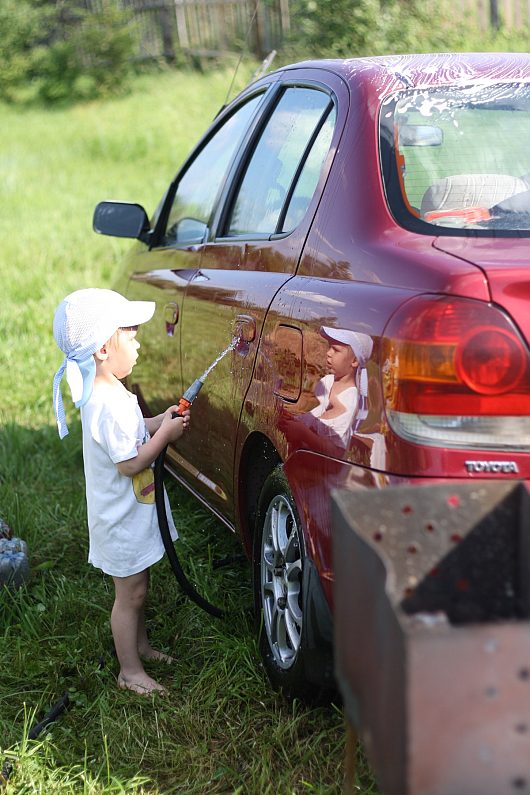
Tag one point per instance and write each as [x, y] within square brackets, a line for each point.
[291, 148]
[198, 188]
[309, 175]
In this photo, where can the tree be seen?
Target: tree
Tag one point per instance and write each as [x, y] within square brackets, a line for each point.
[58, 51]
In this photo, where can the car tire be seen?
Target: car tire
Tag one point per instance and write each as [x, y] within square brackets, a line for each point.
[278, 566]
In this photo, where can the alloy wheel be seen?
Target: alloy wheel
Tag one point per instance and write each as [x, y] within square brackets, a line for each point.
[281, 581]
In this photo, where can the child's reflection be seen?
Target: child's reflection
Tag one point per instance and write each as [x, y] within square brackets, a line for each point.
[342, 396]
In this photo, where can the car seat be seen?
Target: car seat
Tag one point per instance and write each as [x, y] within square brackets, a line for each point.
[462, 191]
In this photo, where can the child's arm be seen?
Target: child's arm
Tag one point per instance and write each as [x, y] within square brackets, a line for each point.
[153, 423]
[168, 430]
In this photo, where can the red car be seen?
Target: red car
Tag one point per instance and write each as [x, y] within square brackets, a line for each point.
[359, 231]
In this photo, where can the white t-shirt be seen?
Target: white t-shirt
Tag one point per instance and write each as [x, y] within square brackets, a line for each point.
[340, 427]
[122, 521]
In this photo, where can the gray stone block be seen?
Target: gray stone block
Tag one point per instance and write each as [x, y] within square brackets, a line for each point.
[14, 562]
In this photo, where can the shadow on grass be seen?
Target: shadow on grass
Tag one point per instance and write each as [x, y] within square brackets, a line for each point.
[42, 493]
[222, 729]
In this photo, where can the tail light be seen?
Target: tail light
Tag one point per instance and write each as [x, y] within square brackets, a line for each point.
[456, 374]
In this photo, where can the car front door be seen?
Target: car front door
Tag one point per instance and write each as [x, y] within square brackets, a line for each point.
[163, 272]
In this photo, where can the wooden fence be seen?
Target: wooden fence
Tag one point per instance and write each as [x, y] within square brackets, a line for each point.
[208, 28]
[493, 13]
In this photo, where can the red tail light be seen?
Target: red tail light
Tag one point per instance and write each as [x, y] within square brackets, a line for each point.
[490, 361]
[457, 360]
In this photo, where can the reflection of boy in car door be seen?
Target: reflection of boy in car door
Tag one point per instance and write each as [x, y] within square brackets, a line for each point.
[342, 396]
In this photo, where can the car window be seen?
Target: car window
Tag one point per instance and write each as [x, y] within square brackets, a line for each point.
[309, 175]
[459, 158]
[280, 151]
[198, 188]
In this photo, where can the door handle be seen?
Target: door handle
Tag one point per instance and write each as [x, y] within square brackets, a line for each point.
[245, 328]
[171, 316]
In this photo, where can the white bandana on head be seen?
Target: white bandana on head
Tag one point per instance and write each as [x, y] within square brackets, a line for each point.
[83, 322]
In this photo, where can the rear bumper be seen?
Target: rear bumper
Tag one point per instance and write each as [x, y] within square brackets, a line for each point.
[313, 478]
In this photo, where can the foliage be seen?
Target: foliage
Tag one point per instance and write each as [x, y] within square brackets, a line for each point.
[59, 51]
[350, 28]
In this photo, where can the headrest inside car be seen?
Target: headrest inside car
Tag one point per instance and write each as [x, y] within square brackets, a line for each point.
[470, 190]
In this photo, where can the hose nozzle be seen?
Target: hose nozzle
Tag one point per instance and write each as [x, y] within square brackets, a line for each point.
[189, 396]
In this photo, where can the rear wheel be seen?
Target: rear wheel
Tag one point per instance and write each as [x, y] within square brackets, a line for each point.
[279, 559]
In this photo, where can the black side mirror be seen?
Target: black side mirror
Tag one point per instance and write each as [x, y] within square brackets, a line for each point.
[121, 219]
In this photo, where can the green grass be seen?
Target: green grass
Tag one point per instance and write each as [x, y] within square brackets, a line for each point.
[222, 730]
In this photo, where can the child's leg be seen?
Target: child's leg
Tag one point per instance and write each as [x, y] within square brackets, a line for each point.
[145, 650]
[130, 593]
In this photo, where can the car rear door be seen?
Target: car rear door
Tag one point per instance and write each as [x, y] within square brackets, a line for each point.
[255, 246]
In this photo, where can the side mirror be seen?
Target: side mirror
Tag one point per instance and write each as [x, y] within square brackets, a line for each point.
[420, 135]
[121, 219]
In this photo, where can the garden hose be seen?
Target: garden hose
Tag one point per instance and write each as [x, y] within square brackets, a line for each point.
[185, 402]
[55, 711]
[169, 546]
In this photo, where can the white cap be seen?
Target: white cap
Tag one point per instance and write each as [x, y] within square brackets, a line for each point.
[82, 324]
[361, 344]
[86, 319]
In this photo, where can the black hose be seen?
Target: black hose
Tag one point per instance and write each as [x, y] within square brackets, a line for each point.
[178, 571]
[53, 713]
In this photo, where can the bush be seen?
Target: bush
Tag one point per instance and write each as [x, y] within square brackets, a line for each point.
[58, 52]
[351, 28]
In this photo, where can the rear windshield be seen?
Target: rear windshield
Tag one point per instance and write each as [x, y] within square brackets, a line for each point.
[456, 160]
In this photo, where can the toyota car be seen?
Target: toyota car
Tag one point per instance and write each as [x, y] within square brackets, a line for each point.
[356, 232]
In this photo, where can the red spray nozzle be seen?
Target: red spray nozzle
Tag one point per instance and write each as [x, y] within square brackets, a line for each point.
[189, 396]
[182, 406]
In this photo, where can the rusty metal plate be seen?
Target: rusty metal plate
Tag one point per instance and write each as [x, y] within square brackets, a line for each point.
[432, 634]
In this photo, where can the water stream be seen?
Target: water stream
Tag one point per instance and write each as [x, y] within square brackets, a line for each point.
[221, 356]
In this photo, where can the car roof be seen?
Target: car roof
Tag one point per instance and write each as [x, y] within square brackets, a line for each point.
[388, 73]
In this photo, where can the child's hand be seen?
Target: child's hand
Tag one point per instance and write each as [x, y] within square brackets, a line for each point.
[174, 427]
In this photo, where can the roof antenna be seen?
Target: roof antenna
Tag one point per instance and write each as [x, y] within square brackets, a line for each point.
[265, 64]
[243, 47]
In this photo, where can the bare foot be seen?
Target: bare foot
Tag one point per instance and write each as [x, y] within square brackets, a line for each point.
[154, 654]
[141, 684]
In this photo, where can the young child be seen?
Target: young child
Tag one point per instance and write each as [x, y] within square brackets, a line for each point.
[342, 396]
[343, 393]
[96, 330]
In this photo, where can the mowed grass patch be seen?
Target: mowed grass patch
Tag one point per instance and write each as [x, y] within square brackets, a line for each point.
[222, 729]
[54, 168]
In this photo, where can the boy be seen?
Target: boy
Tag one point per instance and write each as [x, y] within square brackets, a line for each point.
[342, 396]
[96, 330]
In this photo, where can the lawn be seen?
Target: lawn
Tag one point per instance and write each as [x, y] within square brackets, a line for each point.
[222, 729]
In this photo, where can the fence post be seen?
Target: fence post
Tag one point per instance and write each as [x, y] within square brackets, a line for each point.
[166, 32]
[182, 29]
[494, 14]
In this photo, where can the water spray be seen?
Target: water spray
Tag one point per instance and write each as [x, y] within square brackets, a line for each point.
[192, 391]
[184, 403]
